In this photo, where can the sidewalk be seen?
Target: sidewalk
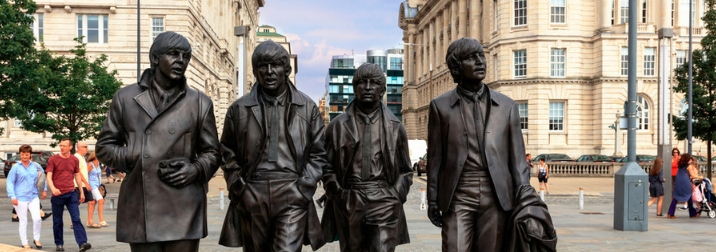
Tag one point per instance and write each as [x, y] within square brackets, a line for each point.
[588, 229]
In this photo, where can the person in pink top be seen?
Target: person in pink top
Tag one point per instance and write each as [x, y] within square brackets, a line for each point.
[63, 171]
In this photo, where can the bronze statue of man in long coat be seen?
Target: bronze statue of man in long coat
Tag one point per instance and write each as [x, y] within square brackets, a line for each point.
[476, 156]
[272, 146]
[162, 133]
[368, 175]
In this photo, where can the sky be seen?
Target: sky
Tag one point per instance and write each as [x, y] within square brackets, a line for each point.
[320, 29]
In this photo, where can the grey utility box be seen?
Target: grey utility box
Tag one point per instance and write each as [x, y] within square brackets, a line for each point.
[631, 186]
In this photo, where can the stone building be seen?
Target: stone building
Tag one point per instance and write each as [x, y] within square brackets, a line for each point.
[563, 62]
[110, 27]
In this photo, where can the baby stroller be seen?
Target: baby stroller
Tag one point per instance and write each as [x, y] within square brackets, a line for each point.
[708, 199]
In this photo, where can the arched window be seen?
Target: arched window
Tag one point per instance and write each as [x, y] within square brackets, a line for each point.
[642, 113]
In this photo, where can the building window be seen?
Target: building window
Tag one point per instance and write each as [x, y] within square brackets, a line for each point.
[684, 13]
[642, 113]
[495, 14]
[557, 11]
[557, 58]
[672, 12]
[683, 108]
[612, 12]
[522, 107]
[556, 116]
[494, 69]
[38, 27]
[333, 89]
[93, 28]
[157, 26]
[643, 11]
[520, 12]
[18, 123]
[520, 58]
[624, 11]
[625, 61]
[396, 63]
[649, 61]
[680, 57]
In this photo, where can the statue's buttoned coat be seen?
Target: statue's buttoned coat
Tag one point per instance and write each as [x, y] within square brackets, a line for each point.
[503, 153]
[136, 137]
[243, 141]
[343, 141]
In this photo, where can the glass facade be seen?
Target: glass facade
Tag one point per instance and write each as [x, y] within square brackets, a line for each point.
[378, 60]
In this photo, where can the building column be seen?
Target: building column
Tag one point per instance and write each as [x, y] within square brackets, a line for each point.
[438, 42]
[462, 8]
[431, 46]
[453, 20]
[607, 14]
[475, 20]
[410, 60]
[665, 17]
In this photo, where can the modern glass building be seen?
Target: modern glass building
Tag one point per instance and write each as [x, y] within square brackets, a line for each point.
[340, 79]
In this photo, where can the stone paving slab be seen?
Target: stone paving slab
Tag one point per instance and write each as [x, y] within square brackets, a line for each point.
[588, 229]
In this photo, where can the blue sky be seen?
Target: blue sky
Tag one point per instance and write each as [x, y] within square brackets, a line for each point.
[320, 29]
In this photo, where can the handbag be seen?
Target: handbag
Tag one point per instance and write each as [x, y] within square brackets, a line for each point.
[103, 190]
[41, 177]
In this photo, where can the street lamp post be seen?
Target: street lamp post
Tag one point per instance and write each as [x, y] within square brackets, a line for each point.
[240, 32]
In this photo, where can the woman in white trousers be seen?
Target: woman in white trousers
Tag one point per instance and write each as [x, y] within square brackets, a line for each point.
[22, 190]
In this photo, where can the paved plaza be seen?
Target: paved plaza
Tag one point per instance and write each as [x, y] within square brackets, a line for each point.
[588, 229]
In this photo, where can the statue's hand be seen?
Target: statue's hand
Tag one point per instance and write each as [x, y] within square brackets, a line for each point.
[435, 216]
[178, 172]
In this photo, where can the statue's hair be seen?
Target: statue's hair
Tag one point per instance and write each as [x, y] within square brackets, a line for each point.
[164, 42]
[368, 71]
[457, 50]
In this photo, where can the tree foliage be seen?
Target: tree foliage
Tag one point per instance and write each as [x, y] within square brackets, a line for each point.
[703, 87]
[68, 96]
[17, 50]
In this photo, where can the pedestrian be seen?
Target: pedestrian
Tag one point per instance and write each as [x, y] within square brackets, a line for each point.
[272, 147]
[683, 188]
[529, 167]
[656, 186]
[108, 169]
[63, 172]
[162, 133]
[543, 175]
[367, 186]
[80, 153]
[95, 179]
[22, 190]
[675, 156]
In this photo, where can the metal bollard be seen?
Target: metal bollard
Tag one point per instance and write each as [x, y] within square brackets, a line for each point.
[581, 198]
[423, 198]
[111, 203]
[221, 198]
[541, 195]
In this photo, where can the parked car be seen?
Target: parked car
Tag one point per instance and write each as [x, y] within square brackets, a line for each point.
[594, 158]
[700, 158]
[640, 158]
[553, 157]
[422, 165]
[40, 157]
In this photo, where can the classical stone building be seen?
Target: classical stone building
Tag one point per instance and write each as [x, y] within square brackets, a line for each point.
[110, 27]
[563, 62]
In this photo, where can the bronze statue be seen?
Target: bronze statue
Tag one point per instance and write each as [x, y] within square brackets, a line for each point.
[476, 156]
[368, 175]
[272, 146]
[163, 135]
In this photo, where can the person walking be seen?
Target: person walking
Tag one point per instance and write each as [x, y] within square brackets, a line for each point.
[94, 173]
[543, 176]
[656, 186]
[682, 187]
[63, 170]
[675, 156]
[22, 190]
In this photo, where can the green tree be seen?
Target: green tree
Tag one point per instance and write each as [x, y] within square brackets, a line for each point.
[68, 96]
[703, 87]
[18, 51]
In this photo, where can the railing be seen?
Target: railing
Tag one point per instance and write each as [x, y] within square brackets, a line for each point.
[588, 169]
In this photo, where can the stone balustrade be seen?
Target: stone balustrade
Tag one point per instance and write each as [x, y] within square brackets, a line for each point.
[588, 169]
